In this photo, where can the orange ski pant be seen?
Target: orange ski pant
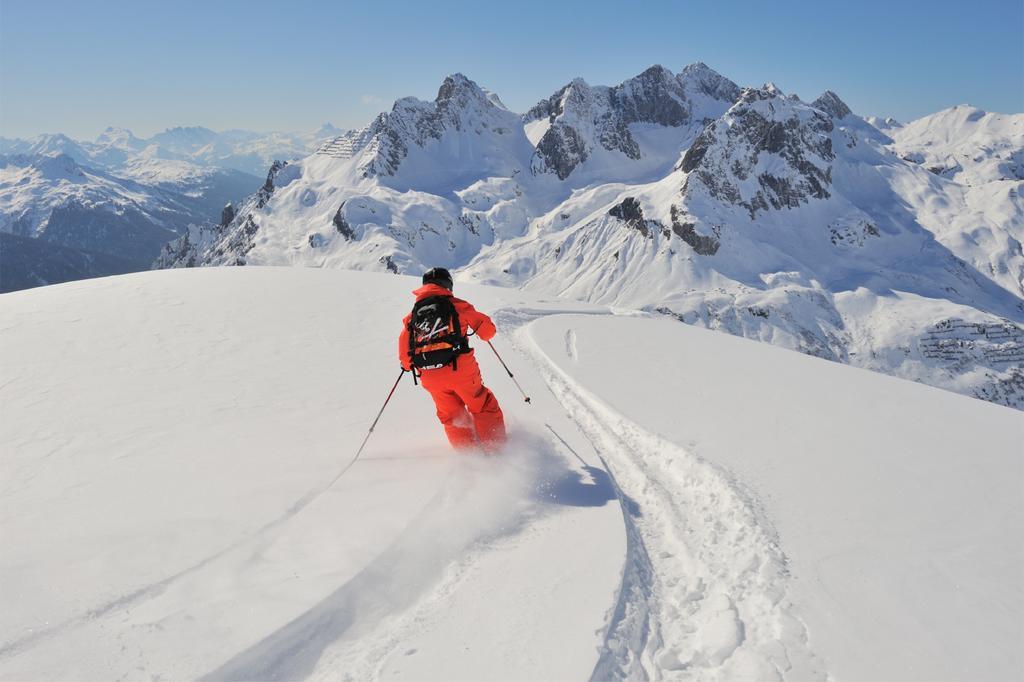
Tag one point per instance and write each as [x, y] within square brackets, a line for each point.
[464, 404]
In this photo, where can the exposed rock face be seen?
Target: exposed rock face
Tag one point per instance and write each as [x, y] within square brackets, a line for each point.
[762, 125]
[240, 241]
[227, 215]
[268, 187]
[629, 211]
[687, 231]
[852, 233]
[582, 118]
[699, 77]
[551, 108]
[341, 225]
[227, 242]
[655, 96]
[830, 103]
[961, 346]
[190, 249]
[560, 151]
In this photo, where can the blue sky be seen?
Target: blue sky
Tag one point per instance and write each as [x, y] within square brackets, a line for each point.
[77, 67]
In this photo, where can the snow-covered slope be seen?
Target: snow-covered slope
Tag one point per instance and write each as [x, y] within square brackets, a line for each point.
[965, 144]
[980, 215]
[195, 522]
[894, 509]
[723, 511]
[749, 211]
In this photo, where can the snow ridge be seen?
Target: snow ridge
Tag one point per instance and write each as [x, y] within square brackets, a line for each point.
[460, 106]
[581, 120]
[965, 144]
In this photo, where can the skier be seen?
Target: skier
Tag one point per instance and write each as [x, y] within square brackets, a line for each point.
[434, 345]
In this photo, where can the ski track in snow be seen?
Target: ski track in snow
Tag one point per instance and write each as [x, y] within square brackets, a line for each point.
[703, 593]
[570, 345]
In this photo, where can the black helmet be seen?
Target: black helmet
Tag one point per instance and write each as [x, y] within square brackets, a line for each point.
[438, 276]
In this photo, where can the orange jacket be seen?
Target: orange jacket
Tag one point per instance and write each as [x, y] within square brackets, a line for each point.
[469, 317]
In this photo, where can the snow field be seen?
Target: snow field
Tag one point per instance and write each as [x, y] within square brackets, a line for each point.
[675, 503]
[170, 440]
[896, 507]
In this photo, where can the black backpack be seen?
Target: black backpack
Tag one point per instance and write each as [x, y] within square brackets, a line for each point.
[435, 333]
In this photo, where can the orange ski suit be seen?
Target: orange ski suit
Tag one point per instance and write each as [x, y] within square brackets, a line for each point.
[456, 390]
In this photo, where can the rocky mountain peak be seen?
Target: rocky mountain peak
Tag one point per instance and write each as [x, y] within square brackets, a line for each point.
[655, 73]
[460, 106]
[654, 96]
[765, 92]
[705, 80]
[830, 103]
[729, 152]
[57, 165]
[119, 138]
[585, 120]
[457, 90]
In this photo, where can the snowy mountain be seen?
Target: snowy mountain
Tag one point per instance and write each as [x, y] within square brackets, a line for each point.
[240, 150]
[965, 144]
[785, 225]
[127, 217]
[124, 197]
[178, 460]
[54, 198]
[744, 210]
[883, 124]
[47, 145]
[650, 118]
[391, 193]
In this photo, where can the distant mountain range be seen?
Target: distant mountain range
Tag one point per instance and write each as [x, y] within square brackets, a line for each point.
[119, 198]
[239, 150]
[887, 246]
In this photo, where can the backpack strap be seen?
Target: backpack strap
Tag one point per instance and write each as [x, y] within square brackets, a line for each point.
[412, 340]
[463, 341]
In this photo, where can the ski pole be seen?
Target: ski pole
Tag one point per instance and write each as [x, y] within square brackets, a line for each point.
[511, 376]
[374, 424]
